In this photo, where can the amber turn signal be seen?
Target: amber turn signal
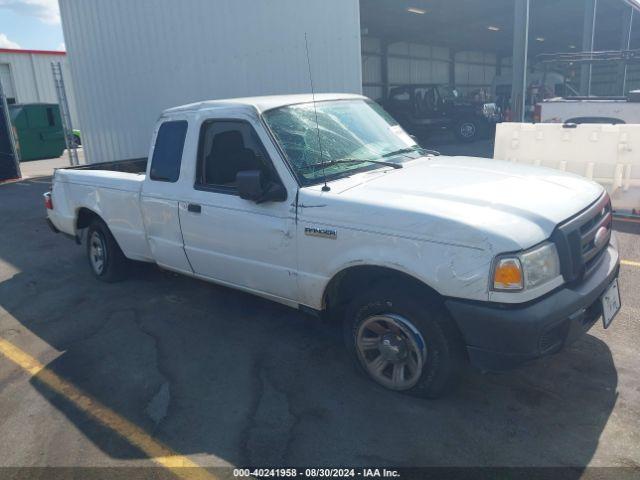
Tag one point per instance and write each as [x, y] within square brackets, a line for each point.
[508, 275]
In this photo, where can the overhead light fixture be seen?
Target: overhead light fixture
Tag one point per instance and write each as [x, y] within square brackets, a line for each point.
[416, 10]
[572, 47]
[493, 28]
[540, 39]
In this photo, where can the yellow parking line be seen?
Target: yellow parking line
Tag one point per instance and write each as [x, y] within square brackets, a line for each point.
[629, 263]
[179, 465]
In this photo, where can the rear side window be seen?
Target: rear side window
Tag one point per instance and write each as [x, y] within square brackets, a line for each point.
[167, 154]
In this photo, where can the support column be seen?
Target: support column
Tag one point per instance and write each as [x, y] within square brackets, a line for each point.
[520, 57]
[384, 69]
[452, 67]
[588, 43]
[625, 44]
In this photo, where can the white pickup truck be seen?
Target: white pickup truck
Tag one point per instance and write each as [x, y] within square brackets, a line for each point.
[330, 207]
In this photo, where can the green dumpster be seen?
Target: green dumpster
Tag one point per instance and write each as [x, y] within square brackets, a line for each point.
[39, 130]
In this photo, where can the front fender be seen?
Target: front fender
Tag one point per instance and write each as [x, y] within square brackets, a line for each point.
[450, 270]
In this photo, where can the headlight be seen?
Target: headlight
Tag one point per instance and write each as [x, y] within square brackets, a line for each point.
[526, 270]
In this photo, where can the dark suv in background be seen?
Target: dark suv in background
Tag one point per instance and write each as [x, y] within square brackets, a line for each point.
[423, 109]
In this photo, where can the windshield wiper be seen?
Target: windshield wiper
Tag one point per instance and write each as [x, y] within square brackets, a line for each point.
[411, 150]
[350, 161]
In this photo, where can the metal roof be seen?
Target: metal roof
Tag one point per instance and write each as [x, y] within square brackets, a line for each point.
[27, 52]
[464, 25]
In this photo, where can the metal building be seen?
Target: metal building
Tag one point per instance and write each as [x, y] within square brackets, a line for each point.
[131, 60]
[27, 78]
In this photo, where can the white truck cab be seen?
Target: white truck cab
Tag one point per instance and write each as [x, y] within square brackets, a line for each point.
[327, 205]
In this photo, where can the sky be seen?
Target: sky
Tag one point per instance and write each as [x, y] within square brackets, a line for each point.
[30, 24]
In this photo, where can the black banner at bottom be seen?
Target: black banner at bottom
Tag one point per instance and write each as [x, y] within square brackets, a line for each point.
[224, 473]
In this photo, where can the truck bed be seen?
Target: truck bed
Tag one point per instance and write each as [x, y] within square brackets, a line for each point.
[127, 175]
[112, 191]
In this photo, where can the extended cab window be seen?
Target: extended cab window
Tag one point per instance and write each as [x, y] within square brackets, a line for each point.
[167, 154]
[226, 148]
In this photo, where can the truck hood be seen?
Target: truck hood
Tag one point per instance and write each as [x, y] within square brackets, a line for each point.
[473, 202]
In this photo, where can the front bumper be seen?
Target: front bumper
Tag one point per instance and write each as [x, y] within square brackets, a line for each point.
[502, 336]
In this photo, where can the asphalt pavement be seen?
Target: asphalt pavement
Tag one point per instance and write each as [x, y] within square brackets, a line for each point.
[109, 375]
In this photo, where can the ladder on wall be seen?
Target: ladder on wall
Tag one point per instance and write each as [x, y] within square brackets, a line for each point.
[58, 80]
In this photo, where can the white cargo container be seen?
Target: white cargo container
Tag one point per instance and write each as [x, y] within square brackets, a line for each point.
[591, 110]
[133, 59]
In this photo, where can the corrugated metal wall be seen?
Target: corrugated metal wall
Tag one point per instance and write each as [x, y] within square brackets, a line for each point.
[411, 63]
[371, 67]
[133, 59]
[33, 80]
[475, 70]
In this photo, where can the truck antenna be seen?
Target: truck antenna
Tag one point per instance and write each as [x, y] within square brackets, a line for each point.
[315, 110]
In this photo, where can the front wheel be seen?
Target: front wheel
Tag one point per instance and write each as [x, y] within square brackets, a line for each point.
[107, 261]
[468, 131]
[404, 342]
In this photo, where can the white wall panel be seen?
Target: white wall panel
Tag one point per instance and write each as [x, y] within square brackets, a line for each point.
[440, 53]
[33, 80]
[399, 48]
[399, 70]
[6, 78]
[371, 69]
[374, 93]
[133, 59]
[475, 69]
[415, 63]
[440, 72]
[419, 51]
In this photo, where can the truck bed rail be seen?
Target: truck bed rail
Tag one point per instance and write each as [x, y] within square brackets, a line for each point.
[134, 165]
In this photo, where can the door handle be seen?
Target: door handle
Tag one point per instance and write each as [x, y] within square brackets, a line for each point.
[194, 208]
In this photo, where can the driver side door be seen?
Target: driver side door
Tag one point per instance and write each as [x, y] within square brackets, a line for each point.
[228, 239]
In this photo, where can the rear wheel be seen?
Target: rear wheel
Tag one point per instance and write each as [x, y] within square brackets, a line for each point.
[404, 342]
[107, 261]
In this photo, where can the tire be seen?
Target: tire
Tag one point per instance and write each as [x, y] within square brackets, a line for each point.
[418, 333]
[106, 260]
[468, 130]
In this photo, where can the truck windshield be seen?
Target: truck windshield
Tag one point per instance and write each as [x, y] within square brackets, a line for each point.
[352, 134]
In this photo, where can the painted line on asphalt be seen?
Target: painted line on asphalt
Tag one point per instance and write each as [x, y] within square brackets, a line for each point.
[179, 465]
[629, 263]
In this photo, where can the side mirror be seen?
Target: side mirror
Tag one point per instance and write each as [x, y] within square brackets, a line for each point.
[252, 186]
[249, 183]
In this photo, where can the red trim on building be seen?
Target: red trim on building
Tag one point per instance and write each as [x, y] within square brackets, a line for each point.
[41, 52]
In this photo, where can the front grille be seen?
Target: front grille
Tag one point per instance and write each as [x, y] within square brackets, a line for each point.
[583, 240]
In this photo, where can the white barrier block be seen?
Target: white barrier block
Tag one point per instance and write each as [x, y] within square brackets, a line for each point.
[608, 154]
